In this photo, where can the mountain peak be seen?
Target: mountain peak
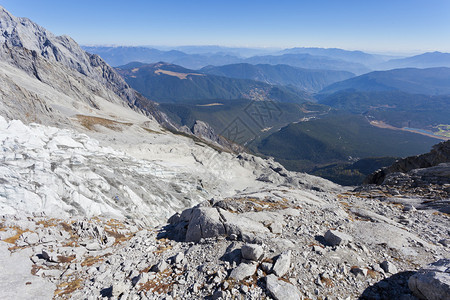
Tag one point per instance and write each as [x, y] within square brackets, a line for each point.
[41, 54]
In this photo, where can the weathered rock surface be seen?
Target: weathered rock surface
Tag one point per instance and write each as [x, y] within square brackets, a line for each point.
[243, 271]
[282, 264]
[281, 290]
[432, 282]
[205, 131]
[252, 252]
[336, 238]
[439, 154]
[204, 223]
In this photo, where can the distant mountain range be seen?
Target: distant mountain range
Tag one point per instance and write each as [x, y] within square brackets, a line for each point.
[364, 58]
[303, 79]
[118, 56]
[425, 60]
[165, 82]
[431, 81]
[196, 57]
[309, 61]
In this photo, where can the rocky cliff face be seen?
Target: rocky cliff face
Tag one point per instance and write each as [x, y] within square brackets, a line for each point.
[439, 154]
[59, 61]
[421, 181]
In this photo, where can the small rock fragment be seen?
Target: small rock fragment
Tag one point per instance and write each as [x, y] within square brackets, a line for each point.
[118, 289]
[388, 267]
[32, 238]
[159, 267]
[178, 258]
[281, 290]
[243, 271]
[266, 267]
[282, 264]
[359, 272]
[276, 228]
[336, 238]
[252, 252]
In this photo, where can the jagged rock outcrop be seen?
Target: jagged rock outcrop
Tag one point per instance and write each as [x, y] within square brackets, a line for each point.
[421, 181]
[440, 153]
[58, 61]
[204, 131]
[67, 173]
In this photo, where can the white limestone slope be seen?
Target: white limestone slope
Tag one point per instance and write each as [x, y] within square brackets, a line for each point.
[62, 172]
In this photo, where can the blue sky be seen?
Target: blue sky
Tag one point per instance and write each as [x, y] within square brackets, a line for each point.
[394, 25]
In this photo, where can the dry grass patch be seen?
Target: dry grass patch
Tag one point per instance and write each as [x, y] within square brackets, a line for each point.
[439, 213]
[119, 237]
[13, 239]
[160, 285]
[116, 224]
[327, 282]
[163, 246]
[398, 205]
[52, 222]
[151, 131]
[66, 288]
[256, 204]
[92, 260]
[373, 274]
[89, 122]
[66, 259]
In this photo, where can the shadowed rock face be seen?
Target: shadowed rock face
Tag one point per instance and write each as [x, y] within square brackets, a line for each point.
[439, 154]
[432, 281]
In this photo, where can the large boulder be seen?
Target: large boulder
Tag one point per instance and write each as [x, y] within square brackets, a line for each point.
[204, 223]
[281, 290]
[432, 282]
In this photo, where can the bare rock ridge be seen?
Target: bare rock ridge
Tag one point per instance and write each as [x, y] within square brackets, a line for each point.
[419, 182]
[38, 52]
[439, 154]
[204, 131]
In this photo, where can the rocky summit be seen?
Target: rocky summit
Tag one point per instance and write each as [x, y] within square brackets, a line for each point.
[101, 197]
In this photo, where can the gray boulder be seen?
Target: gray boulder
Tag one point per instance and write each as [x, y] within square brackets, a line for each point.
[282, 264]
[432, 282]
[204, 223]
[336, 238]
[243, 271]
[241, 225]
[281, 290]
[252, 252]
[388, 267]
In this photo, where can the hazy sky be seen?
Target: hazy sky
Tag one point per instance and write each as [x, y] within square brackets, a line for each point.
[371, 25]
